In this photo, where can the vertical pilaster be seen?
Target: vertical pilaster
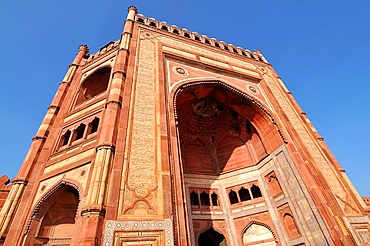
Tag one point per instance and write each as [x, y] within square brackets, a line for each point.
[8, 209]
[103, 161]
[105, 149]
[94, 209]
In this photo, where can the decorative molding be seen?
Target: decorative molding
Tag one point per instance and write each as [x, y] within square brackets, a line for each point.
[141, 174]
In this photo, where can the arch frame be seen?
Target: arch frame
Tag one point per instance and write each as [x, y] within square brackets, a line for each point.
[260, 224]
[85, 77]
[208, 228]
[181, 224]
[187, 83]
[48, 194]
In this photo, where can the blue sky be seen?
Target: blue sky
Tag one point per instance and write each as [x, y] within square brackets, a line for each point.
[321, 50]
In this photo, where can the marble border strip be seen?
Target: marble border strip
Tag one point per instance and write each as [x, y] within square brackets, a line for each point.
[121, 225]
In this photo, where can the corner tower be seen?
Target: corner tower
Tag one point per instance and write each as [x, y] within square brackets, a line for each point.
[168, 137]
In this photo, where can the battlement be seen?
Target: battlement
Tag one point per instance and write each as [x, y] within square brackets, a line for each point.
[183, 32]
[104, 49]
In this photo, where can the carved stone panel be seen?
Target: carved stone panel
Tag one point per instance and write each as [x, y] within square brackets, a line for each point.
[141, 174]
[155, 233]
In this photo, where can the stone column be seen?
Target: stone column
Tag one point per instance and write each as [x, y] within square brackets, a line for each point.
[8, 209]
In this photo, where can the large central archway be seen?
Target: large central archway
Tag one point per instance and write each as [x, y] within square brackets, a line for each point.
[222, 133]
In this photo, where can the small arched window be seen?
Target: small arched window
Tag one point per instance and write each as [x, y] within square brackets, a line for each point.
[93, 125]
[244, 194]
[65, 138]
[256, 192]
[233, 197]
[194, 199]
[204, 199]
[214, 198]
[141, 20]
[79, 132]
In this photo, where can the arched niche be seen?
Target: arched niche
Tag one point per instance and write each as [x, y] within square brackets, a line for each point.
[54, 219]
[290, 226]
[221, 129]
[93, 85]
[257, 234]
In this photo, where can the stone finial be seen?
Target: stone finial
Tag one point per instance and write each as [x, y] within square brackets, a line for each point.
[4, 181]
[82, 51]
[132, 8]
[132, 11]
[84, 48]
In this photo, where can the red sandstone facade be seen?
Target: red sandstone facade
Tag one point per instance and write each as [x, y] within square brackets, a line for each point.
[167, 137]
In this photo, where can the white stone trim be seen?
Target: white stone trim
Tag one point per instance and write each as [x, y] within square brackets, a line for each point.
[121, 225]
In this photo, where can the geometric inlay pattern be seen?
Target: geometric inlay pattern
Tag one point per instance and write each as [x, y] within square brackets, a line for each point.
[113, 226]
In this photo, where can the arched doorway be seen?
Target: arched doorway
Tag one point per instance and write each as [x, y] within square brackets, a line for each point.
[54, 223]
[211, 238]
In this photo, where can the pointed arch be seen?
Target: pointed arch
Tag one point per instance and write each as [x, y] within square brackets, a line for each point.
[257, 233]
[210, 115]
[95, 84]
[211, 237]
[290, 225]
[259, 106]
[54, 216]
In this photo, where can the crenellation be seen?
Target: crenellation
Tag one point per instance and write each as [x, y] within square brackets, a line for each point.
[106, 49]
[200, 38]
